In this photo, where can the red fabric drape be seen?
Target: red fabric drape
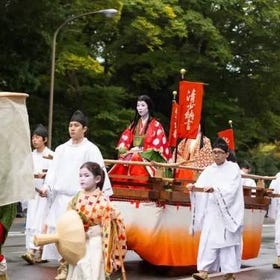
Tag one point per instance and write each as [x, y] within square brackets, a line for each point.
[2, 233]
[190, 101]
[173, 131]
[228, 136]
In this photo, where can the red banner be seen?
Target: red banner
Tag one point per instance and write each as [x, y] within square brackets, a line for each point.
[190, 101]
[228, 136]
[173, 130]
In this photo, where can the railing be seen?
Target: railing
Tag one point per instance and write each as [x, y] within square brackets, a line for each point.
[173, 191]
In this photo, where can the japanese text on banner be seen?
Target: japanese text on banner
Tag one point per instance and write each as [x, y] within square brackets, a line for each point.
[190, 101]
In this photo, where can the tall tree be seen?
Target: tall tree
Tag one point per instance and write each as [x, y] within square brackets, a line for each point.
[103, 64]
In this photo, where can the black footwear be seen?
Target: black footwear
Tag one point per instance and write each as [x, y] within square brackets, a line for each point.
[20, 215]
[39, 260]
[275, 265]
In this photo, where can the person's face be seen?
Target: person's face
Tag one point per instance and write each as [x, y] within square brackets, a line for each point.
[142, 108]
[38, 142]
[219, 156]
[246, 170]
[76, 130]
[87, 180]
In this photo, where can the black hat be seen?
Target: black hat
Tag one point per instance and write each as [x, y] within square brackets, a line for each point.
[79, 116]
[41, 131]
[220, 143]
[245, 164]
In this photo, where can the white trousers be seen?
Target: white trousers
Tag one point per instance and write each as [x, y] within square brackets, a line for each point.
[227, 259]
[277, 233]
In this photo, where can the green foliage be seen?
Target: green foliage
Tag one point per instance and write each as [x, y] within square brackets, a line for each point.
[72, 62]
[105, 125]
[102, 64]
[266, 158]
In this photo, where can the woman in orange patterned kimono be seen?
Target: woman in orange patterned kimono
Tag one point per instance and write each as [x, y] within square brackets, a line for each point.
[104, 227]
[144, 140]
[198, 151]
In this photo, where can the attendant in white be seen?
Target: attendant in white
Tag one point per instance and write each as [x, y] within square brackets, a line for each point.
[274, 213]
[246, 169]
[37, 208]
[218, 213]
[62, 180]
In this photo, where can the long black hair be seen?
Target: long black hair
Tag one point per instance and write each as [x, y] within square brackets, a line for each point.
[96, 170]
[150, 104]
[202, 132]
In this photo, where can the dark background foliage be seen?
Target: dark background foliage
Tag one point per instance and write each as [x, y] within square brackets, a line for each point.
[103, 64]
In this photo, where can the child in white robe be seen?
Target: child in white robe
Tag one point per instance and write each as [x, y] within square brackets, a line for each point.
[37, 208]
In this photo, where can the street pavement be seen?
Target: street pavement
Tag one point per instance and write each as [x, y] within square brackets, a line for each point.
[136, 269]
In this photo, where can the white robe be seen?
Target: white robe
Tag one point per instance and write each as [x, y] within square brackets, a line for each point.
[91, 266]
[219, 217]
[248, 182]
[274, 211]
[63, 181]
[37, 208]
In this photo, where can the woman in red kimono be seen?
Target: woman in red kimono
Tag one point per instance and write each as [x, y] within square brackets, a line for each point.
[144, 140]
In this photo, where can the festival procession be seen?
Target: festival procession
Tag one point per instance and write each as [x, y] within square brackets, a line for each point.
[149, 149]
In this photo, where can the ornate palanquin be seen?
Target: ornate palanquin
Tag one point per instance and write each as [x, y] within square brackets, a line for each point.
[157, 214]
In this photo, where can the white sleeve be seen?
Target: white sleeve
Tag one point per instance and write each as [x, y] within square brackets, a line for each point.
[96, 156]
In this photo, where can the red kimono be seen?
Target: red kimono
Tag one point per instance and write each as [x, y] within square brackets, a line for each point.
[153, 146]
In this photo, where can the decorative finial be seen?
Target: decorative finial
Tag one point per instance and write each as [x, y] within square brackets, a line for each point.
[174, 92]
[183, 72]
[230, 123]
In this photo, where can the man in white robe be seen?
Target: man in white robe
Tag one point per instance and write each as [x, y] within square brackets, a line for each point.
[274, 213]
[62, 180]
[246, 169]
[218, 214]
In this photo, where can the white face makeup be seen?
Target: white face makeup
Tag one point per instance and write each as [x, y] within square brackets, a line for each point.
[87, 179]
[142, 108]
